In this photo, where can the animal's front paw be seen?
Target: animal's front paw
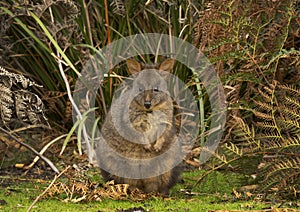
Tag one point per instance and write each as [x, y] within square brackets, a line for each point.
[148, 147]
[158, 145]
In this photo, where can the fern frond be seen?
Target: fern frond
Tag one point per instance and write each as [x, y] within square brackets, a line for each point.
[270, 136]
[6, 113]
[18, 103]
[266, 95]
[279, 133]
[229, 56]
[266, 106]
[221, 43]
[17, 78]
[6, 95]
[283, 167]
[292, 101]
[67, 6]
[290, 126]
[267, 125]
[291, 143]
[290, 88]
[241, 130]
[222, 158]
[118, 7]
[6, 103]
[29, 108]
[280, 181]
[234, 148]
[263, 116]
[292, 113]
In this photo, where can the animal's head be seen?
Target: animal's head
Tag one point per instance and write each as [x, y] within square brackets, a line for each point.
[150, 83]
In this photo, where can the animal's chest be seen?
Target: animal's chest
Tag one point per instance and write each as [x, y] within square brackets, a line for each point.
[146, 122]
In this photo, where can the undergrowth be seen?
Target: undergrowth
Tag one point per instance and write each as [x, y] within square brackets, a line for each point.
[253, 45]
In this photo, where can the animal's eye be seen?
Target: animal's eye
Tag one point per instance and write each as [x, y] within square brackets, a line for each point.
[155, 89]
[140, 89]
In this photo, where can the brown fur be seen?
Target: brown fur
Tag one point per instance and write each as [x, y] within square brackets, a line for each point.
[150, 111]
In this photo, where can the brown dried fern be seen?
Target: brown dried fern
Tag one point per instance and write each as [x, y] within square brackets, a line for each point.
[250, 43]
[272, 141]
[279, 135]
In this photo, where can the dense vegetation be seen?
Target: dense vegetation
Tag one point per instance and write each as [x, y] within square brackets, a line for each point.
[253, 45]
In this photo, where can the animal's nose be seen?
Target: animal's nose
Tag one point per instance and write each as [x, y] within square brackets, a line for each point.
[147, 104]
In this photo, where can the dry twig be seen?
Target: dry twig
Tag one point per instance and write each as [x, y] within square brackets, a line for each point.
[45, 191]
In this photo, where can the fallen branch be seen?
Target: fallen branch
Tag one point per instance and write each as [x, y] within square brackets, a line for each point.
[31, 149]
[44, 149]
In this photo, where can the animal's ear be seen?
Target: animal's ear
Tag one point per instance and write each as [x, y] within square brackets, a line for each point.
[167, 65]
[133, 66]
